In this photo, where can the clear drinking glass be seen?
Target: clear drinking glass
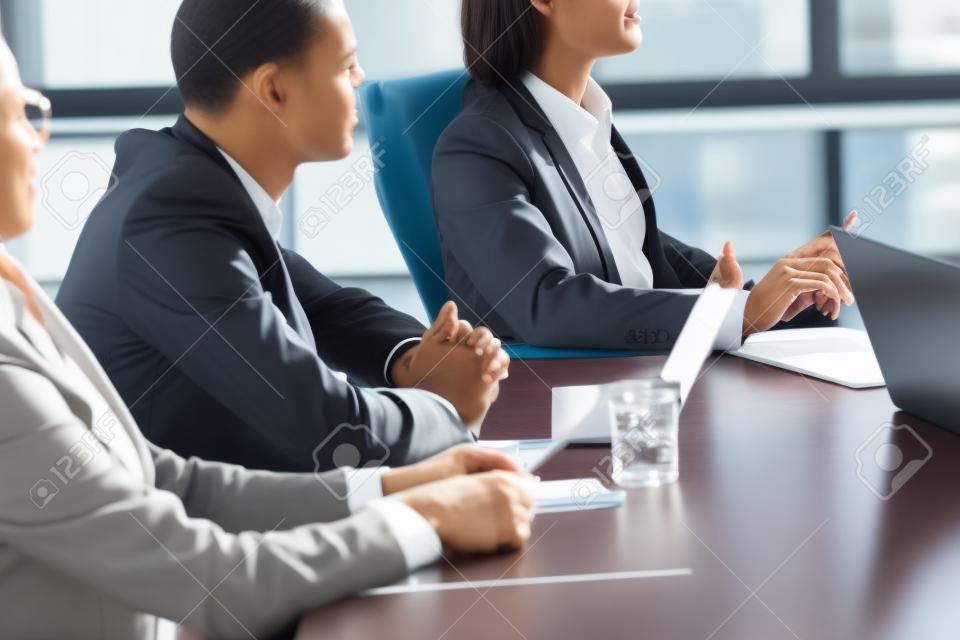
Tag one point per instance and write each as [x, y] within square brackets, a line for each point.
[644, 425]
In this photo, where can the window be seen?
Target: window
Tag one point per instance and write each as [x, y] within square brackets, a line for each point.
[900, 36]
[906, 184]
[407, 38]
[728, 103]
[716, 39]
[336, 218]
[713, 187]
[74, 174]
[97, 43]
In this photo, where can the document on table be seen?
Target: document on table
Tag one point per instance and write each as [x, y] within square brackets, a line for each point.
[528, 453]
[835, 354]
[555, 496]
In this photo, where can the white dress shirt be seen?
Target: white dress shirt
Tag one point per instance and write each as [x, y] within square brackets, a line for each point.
[418, 540]
[272, 215]
[586, 132]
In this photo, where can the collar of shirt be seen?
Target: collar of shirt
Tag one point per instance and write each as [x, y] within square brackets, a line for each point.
[588, 125]
[268, 208]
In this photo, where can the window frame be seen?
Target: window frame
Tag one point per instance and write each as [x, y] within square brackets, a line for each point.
[825, 84]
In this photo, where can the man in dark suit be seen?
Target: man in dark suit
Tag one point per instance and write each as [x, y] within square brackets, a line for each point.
[223, 343]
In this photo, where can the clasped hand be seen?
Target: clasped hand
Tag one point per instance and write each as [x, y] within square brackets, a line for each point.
[458, 362]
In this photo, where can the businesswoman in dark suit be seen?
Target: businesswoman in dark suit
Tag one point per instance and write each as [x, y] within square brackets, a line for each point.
[548, 230]
[102, 533]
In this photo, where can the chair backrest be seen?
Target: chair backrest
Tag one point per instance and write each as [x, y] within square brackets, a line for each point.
[404, 119]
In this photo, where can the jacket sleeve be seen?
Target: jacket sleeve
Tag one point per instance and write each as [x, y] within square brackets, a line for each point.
[100, 523]
[241, 499]
[693, 266]
[354, 330]
[190, 287]
[482, 197]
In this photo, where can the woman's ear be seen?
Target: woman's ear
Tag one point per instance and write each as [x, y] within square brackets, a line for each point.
[545, 7]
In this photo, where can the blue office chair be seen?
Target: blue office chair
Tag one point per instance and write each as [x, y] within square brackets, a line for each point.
[404, 120]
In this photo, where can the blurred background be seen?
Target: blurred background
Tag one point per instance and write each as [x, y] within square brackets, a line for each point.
[759, 121]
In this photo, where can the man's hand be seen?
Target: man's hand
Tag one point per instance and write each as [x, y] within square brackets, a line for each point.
[728, 273]
[785, 287]
[461, 460]
[456, 361]
[480, 513]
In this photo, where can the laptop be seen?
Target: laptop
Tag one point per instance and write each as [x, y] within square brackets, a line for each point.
[587, 415]
[911, 310]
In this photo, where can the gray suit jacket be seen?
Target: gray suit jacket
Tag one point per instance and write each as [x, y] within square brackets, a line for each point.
[101, 532]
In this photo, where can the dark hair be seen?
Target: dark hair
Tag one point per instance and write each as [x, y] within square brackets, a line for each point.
[241, 36]
[501, 38]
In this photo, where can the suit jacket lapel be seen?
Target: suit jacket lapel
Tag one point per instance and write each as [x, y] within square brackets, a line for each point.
[275, 269]
[664, 277]
[296, 315]
[72, 346]
[529, 111]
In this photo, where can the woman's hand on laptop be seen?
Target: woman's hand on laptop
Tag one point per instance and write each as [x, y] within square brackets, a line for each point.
[793, 284]
[822, 248]
[825, 246]
[461, 460]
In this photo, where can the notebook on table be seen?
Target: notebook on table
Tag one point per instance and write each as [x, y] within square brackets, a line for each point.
[835, 354]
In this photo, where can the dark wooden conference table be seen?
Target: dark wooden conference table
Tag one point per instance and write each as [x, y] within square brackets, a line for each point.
[791, 515]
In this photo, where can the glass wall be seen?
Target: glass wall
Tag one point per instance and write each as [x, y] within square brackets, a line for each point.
[768, 189]
[906, 184]
[900, 36]
[713, 187]
[99, 43]
[719, 39]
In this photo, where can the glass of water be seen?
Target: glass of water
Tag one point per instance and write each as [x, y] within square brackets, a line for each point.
[644, 425]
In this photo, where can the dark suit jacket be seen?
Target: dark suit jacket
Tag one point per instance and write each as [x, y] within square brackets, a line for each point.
[522, 243]
[223, 343]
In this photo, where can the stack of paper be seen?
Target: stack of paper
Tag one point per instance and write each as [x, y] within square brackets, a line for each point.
[575, 495]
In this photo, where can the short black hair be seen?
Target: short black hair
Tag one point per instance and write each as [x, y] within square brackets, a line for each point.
[501, 38]
[241, 36]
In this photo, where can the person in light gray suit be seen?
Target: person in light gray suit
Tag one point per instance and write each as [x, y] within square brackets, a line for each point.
[102, 534]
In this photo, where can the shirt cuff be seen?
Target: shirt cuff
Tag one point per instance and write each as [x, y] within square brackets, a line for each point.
[393, 354]
[418, 541]
[363, 486]
[731, 332]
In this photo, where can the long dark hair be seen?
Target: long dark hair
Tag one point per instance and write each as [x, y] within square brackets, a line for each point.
[501, 38]
[241, 36]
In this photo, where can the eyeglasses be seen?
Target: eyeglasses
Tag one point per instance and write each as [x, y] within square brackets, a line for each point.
[39, 111]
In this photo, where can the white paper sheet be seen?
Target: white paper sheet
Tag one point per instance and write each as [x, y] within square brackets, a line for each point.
[575, 495]
[835, 354]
